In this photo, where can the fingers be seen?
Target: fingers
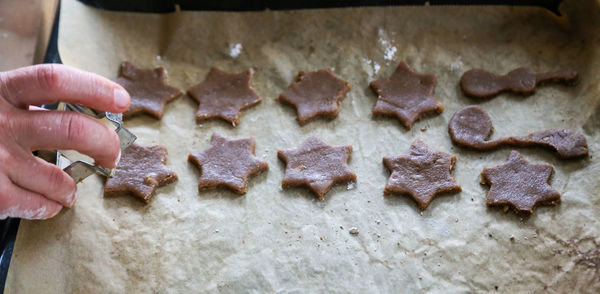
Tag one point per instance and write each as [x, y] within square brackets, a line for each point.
[63, 130]
[48, 83]
[41, 177]
[18, 202]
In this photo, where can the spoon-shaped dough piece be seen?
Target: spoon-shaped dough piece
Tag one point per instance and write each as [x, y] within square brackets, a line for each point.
[479, 83]
[472, 127]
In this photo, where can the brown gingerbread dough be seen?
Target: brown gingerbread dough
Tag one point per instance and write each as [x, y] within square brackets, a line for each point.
[227, 163]
[421, 173]
[224, 95]
[482, 84]
[316, 165]
[315, 94]
[148, 89]
[519, 184]
[406, 95]
[140, 171]
[472, 127]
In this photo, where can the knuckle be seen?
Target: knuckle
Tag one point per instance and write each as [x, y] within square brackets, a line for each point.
[74, 127]
[13, 127]
[57, 181]
[48, 76]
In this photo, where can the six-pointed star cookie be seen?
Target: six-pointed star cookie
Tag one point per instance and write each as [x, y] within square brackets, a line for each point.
[228, 163]
[315, 93]
[422, 173]
[406, 95]
[148, 89]
[519, 184]
[316, 165]
[140, 171]
[224, 95]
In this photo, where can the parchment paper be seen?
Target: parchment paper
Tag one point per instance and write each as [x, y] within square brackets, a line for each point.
[275, 240]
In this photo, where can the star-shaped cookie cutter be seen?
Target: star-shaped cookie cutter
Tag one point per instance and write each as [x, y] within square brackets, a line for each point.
[80, 169]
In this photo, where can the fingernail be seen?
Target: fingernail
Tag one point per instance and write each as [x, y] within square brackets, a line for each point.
[121, 98]
[118, 158]
[55, 212]
[71, 199]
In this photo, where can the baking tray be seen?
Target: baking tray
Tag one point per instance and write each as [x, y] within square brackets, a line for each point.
[9, 227]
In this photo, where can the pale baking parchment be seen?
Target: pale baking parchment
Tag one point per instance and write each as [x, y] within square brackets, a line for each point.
[274, 240]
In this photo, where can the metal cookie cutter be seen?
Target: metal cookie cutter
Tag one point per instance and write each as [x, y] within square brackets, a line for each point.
[80, 169]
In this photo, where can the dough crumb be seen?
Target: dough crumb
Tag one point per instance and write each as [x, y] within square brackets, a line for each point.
[351, 185]
[235, 50]
[353, 231]
[457, 64]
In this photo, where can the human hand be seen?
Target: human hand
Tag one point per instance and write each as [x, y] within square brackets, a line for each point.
[30, 187]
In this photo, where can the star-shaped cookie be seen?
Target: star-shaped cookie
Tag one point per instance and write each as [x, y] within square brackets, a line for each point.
[316, 165]
[406, 95]
[519, 184]
[421, 173]
[227, 163]
[314, 94]
[224, 95]
[140, 171]
[148, 89]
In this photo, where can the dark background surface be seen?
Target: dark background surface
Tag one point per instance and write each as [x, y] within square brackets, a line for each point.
[246, 5]
[9, 227]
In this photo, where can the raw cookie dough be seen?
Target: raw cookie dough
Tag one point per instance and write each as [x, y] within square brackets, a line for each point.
[140, 171]
[421, 173]
[148, 89]
[224, 95]
[519, 184]
[406, 95]
[483, 84]
[316, 165]
[227, 163]
[472, 127]
[314, 94]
